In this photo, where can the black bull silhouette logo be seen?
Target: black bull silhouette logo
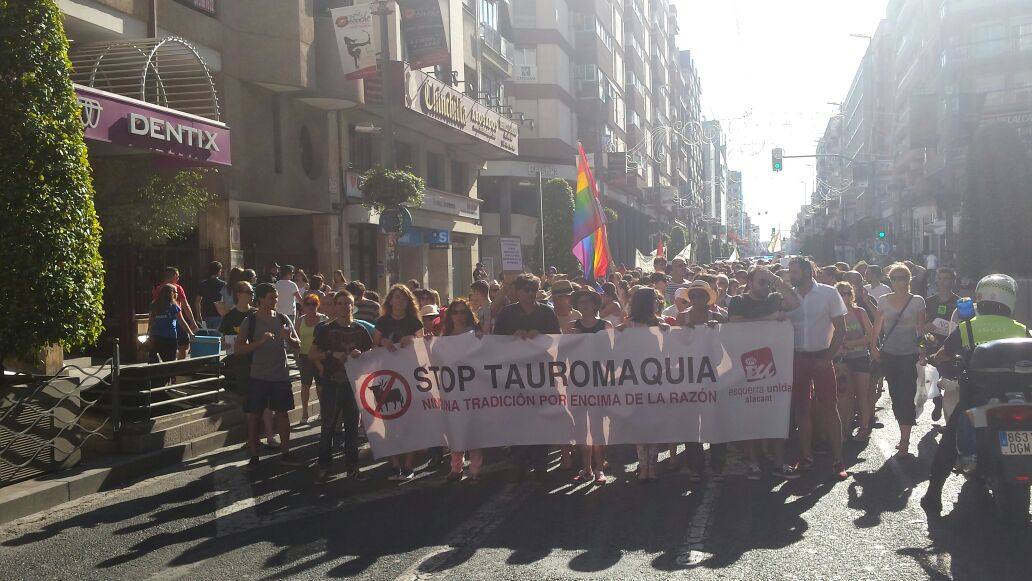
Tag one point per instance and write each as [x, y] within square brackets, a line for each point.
[385, 395]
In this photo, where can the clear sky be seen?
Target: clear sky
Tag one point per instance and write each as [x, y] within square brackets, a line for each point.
[770, 69]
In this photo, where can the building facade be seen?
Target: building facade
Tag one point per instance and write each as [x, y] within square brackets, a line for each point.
[935, 72]
[304, 134]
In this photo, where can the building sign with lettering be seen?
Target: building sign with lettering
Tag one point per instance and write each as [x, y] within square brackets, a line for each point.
[131, 123]
[422, 27]
[428, 96]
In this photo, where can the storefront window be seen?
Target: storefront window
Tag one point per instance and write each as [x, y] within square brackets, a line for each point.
[460, 178]
[435, 170]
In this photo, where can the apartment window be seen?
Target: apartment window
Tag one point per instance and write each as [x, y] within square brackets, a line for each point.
[277, 143]
[1025, 37]
[988, 39]
[493, 87]
[403, 155]
[360, 147]
[489, 13]
[205, 6]
[460, 177]
[525, 56]
[435, 170]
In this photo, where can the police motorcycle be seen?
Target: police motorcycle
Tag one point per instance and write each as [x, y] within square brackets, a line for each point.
[994, 430]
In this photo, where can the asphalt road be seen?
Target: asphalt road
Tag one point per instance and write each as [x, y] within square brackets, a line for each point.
[209, 519]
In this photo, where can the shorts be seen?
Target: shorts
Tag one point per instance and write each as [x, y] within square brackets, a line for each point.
[860, 364]
[307, 369]
[273, 395]
[182, 336]
[812, 376]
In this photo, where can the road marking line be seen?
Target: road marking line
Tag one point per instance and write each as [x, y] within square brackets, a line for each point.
[235, 503]
[467, 536]
[693, 549]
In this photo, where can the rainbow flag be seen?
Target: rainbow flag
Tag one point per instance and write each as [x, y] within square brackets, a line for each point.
[590, 243]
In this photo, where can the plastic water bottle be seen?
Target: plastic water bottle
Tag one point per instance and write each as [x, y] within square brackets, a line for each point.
[965, 308]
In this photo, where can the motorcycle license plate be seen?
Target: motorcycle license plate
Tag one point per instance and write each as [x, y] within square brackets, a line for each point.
[1016, 443]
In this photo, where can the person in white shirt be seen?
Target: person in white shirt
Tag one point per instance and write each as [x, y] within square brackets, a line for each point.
[680, 303]
[288, 293]
[876, 286]
[819, 327]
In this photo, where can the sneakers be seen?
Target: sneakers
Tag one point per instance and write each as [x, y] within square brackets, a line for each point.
[253, 463]
[787, 472]
[937, 409]
[754, 472]
[354, 474]
[838, 469]
[805, 464]
[600, 477]
[288, 459]
[931, 505]
[322, 475]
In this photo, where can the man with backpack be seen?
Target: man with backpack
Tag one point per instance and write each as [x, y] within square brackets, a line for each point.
[264, 336]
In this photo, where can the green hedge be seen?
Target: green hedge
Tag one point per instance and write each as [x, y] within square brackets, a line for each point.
[53, 285]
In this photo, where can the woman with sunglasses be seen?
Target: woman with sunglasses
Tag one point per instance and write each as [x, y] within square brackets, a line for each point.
[854, 366]
[459, 320]
[903, 315]
[310, 318]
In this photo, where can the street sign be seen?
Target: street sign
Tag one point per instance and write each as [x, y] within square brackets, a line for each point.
[882, 247]
[512, 254]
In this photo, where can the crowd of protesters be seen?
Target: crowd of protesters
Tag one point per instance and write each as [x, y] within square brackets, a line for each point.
[851, 330]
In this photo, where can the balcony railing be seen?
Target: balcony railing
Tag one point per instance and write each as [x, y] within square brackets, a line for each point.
[498, 43]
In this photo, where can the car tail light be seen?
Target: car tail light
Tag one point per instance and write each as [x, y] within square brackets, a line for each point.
[1011, 415]
[1022, 478]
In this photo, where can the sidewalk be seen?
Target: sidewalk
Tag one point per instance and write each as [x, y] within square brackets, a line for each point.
[108, 472]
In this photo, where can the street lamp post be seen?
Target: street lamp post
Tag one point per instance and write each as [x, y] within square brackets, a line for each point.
[383, 10]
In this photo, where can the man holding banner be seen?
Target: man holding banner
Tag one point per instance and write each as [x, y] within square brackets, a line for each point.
[526, 319]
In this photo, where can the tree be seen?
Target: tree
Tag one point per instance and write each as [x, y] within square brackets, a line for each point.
[558, 209]
[997, 207]
[139, 207]
[55, 278]
[678, 241]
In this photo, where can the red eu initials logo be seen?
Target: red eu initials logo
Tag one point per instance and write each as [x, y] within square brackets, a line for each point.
[759, 364]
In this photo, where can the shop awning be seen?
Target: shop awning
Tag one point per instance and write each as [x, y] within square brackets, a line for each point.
[150, 95]
[167, 72]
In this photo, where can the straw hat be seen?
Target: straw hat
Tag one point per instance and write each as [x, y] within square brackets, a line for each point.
[703, 285]
[429, 311]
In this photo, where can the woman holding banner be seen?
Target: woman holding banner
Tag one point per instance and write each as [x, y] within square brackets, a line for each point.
[459, 320]
[399, 324]
[644, 312]
[588, 302]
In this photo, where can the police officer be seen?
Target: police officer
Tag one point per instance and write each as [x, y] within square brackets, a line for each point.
[995, 296]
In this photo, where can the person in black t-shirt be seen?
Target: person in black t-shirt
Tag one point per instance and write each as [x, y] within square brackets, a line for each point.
[761, 303]
[399, 326]
[209, 292]
[401, 322]
[336, 340]
[527, 319]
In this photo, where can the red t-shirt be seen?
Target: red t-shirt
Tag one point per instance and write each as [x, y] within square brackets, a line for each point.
[180, 294]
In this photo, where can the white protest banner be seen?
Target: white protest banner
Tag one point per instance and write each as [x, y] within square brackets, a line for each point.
[643, 261]
[358, 39]
[728, 383]
[685, 255]
[512, 254]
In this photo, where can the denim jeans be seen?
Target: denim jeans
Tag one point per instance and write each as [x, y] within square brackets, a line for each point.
[338, 402]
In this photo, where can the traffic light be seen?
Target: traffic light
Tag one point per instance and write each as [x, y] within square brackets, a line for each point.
[777, 158]
[882, 234]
